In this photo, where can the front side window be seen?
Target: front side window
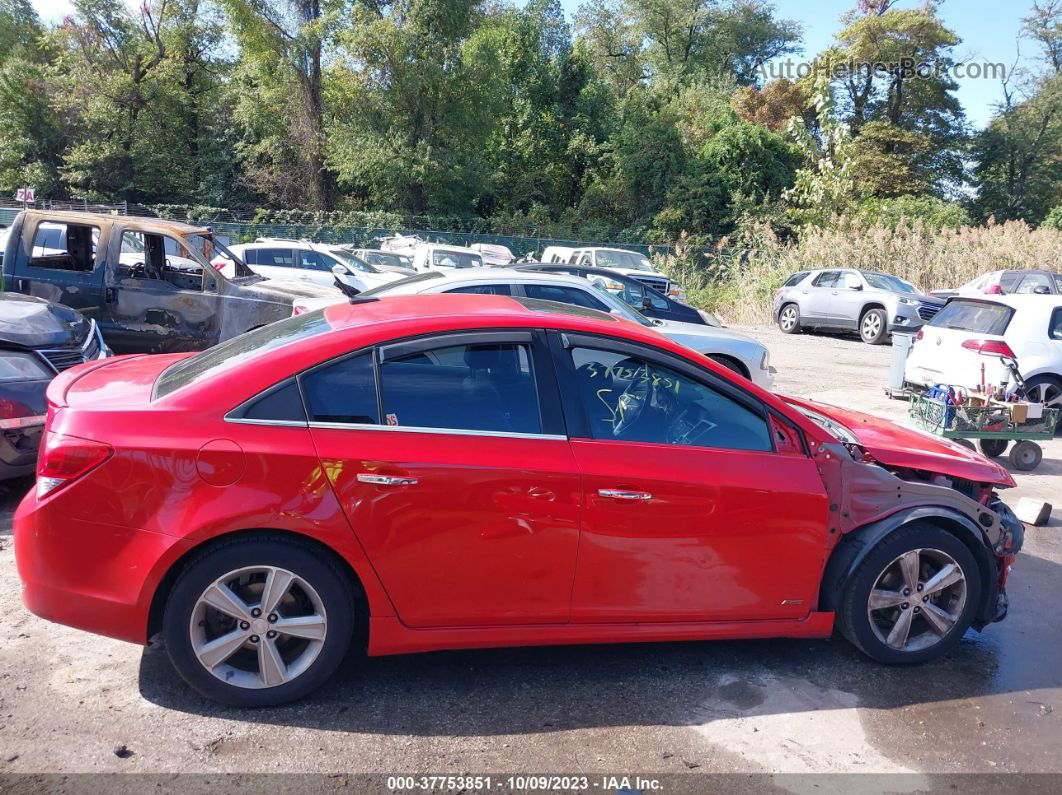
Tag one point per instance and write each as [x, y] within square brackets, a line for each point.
[474, 387]
[563, 294]
[628, 398]
[65, 247]
[315, 261]
[1034, 283]
[158, 258]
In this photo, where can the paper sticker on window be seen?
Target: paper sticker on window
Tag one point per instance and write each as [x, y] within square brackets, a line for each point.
[392, 419]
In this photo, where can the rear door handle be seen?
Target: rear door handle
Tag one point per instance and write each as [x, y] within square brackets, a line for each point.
[621, 494]
[386, 480]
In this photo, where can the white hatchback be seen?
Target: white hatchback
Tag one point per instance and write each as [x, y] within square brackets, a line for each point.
[964, 344]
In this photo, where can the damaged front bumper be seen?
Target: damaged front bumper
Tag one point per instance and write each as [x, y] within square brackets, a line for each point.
[1006, 549]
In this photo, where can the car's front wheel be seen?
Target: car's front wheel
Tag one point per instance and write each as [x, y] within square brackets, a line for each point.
[913, 597]
[258, 621]
[873, 326]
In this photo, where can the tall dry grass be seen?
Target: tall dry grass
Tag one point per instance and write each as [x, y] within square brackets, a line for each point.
[738, 278]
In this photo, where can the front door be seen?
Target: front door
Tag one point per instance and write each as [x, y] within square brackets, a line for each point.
[160, 300]
[455, 476]
[690, 513]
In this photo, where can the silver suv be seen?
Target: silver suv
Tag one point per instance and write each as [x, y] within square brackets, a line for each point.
[872, 303]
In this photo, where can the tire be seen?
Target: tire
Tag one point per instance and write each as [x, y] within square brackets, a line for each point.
[1025, 456]
[1046, 389]
[789, 319]
[874, 327]
[993, 448]
[318, 602]
[930, 634]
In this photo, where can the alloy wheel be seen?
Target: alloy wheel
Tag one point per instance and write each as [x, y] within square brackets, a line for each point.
[917, 600]
[258, 627]
[788, 318]
[1046, 392]
[871, 326]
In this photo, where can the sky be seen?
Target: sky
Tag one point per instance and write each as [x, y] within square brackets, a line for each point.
[988, 29]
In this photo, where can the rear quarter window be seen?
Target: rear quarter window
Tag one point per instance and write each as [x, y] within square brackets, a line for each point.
[976, 316]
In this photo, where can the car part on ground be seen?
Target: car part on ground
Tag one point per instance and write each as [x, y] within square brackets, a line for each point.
[38, 339]
[870, 303]
[148, 283]
[492, 472]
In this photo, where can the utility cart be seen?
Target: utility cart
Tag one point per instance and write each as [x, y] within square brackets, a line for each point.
[992, 423]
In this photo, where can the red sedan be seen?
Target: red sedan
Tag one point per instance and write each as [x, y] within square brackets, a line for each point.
[455, 471]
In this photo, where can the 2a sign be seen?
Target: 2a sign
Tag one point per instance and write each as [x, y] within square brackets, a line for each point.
[26, 194]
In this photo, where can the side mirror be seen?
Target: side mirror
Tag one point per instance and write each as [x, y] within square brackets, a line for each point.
[647, 302]
[1041, 290]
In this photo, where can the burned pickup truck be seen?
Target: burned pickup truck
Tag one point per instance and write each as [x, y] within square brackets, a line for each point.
[147, 283]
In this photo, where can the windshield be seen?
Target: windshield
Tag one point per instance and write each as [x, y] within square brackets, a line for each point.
[623, 259]
[397, 285]
[832, 427]
[213, 251]
[455, 259]
[386, 258]
[620, 308]
[349, 259]
[886, 281]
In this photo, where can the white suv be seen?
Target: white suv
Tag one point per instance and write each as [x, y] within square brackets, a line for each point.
[622, 261]
[309, 262]
[970, 332]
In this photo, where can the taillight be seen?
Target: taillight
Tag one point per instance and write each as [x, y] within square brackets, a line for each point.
[297, 309]
[994, 289]
[989, 348]
[919, 335]
[64, 459]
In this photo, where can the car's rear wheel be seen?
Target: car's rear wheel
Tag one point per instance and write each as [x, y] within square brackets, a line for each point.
[258, 622]
[1044, 389]
[729, 364]
[873, 326]
[913, 597]
[789, 319]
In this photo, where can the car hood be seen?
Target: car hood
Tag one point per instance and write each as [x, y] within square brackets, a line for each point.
[899, 446]
[675, 329]
[31, 322]
[634, 272]
[287, 291]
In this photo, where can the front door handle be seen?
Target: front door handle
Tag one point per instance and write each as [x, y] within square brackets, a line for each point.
[386, 480]
[621, 494]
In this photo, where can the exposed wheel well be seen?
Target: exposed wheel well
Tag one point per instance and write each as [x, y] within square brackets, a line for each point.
[730, 362]
[165, 586]
[854, 547]
[867, 308]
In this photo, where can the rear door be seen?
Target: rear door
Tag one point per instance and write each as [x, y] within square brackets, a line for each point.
[273, 262]
[847, 299]
[815, 297]
[695, 509]
[59, 262]
[449, 457]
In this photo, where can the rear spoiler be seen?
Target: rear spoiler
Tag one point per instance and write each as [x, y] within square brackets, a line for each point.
[60, 385]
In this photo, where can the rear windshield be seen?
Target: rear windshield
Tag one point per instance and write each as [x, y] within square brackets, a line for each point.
[796, 278]
[232, 352]
[977, 316]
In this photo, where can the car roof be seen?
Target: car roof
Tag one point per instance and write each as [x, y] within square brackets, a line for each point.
[606, 248]
[142, 223]
[500, 275]
[1027, 303]
[448, 247]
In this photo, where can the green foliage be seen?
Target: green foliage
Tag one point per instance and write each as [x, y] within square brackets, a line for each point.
[1054, 219]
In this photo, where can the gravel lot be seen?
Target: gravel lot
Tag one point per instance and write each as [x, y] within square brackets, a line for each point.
[69, 699]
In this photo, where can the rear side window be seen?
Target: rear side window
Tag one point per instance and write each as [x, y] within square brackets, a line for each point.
[238, 350]
[827, 279]
[65, 247]
[342, 392]
[483, 289]
[277, 257]
[796, 278]
[564, 295]
[979, 317]
[475, 387]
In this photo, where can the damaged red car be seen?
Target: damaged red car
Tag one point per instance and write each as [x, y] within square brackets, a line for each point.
[458, 471]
